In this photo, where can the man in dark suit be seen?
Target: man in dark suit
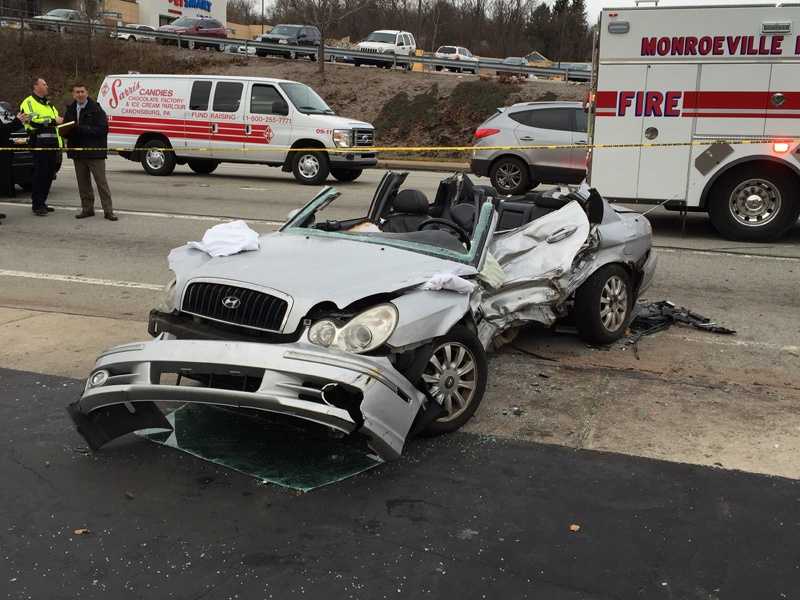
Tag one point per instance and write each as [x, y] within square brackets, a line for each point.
[90, 130]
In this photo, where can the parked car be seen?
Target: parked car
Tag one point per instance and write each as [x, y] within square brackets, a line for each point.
[58, 19]
[291, 35]
[240, 49]
[22, 161]
[205, 27]
[459, 53]
[142, 33]
[514, 61]
[531, 123]
[209, 119]
[376, 325]
[388, 45]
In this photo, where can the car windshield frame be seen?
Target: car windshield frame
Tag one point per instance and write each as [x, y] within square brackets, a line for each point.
[293, 30]
[293, 89]
[487, 221]
[385, 38]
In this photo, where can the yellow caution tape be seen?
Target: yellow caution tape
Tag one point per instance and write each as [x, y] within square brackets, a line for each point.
[384, 149]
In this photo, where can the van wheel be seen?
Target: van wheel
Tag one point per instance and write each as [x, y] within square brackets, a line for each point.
[455, 375]
[603, 305]
[755, 203]
[202, 166]
[346, 175]
[310, 168]
[510, 176]
[158, 158]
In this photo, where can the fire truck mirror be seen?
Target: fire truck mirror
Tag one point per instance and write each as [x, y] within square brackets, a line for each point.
[651, 133]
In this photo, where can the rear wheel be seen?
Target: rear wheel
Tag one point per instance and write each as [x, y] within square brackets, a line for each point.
[510, 176]
[455, 376]
[202, 166]
[755, 203]
[158, 158]
[310, 168]
[603, 305]
[346, 175]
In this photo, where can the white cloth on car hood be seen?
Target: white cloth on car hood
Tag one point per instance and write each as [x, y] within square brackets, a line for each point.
[226, 239]
[451, 280]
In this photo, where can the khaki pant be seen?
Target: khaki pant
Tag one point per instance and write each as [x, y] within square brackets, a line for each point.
[85, 170]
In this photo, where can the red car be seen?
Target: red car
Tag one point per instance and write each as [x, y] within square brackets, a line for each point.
[196, 27]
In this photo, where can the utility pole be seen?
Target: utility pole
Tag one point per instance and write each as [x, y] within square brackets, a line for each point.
[262, 17]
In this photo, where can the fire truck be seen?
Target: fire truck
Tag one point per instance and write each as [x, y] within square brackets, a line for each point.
[703, 104]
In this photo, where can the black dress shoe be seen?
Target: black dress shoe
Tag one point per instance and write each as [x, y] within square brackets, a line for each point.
[83, 215]
[42, 212]
[111, 217]
[48, 209]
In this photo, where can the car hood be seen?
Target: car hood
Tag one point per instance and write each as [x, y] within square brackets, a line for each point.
[276, 36]
[336, 122]
[172, 28]
[375, 46]
[313, 269]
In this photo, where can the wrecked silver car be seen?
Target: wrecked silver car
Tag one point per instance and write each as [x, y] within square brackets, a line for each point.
[375, 325]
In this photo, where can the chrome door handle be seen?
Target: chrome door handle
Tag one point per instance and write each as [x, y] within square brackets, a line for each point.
[527, 139]
[561, 234]
[581, 142]
[214, 128]
[248, 130]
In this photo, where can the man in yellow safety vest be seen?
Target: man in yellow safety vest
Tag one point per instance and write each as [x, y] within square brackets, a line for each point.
[41, 120]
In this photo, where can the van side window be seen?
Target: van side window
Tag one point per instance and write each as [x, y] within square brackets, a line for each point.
[201, 91]
[228, 96]
[581, 121]
[263, 98]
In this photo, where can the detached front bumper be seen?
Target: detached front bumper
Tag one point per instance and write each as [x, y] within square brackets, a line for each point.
[347, 392]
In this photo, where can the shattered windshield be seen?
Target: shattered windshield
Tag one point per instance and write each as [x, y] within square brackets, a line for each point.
[324, 217]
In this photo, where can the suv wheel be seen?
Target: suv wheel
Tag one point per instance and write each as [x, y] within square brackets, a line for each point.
[510, 176]
[310, 168]
[157, 158]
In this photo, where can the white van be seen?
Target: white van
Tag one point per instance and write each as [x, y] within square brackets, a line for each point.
[207, 120]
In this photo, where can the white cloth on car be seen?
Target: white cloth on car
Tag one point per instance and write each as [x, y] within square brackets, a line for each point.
[226, 239]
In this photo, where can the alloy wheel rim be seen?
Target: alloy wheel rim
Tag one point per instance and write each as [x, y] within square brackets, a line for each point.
[451, 376]
[613, 303]
[155, 159]
[509, 176]
[308, 166]
[755, 202]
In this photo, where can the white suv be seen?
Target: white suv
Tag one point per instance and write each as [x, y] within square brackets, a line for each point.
[459, 53]
[389, 44]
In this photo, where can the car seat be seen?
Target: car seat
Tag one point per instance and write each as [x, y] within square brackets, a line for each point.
[409, 210]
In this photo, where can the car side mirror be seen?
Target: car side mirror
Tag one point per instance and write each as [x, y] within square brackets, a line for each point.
[280, 107]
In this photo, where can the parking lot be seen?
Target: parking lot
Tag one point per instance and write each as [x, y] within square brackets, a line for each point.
[565, 436]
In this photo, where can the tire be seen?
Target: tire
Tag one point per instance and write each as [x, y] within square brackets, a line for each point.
[755, 203]
[608, 289]
[438, 68]
[449, 376]
[312, 57]
[157, 162]
[260, 53]
[346, 175]
[304, 170]
[510, 176]
[202, 166]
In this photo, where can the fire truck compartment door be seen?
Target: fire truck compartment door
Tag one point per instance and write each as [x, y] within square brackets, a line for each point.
[731, 99]
[663, 170]
[783, 103]
[615, 171]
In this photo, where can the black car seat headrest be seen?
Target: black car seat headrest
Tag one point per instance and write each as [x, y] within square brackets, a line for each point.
[411, 201]
[463, 215]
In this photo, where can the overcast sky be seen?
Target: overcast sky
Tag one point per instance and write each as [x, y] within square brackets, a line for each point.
[595, 6]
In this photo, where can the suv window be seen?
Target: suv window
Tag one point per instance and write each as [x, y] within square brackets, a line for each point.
[262, 99]
[447, 50]
[228, 96]
[198, 100]
[558, 119]
[581, 121]
[401, 39]
[411, 40]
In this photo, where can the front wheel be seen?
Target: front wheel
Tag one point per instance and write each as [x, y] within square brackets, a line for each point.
[158, 158]
[310, 168]
[510, 176]
[346, 175]
[202, 166]
[755, 203]
[455, 377]
[603, 305]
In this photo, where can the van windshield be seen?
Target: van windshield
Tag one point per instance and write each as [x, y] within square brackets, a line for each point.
[306, 100]
[381, 37]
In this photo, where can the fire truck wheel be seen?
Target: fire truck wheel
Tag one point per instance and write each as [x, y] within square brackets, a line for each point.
[157, 158]
[203, 166]
[756, 203]
[603, 305]
[310, 168]
[510, 176]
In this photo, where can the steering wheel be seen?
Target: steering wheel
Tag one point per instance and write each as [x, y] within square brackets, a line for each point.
[462, 235]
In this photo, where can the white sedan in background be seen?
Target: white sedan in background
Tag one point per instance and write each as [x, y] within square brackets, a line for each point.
[460, 54]
[143, 33]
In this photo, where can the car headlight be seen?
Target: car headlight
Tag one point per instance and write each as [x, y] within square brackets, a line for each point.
[167, 302]
[342, 138]
[364, 332]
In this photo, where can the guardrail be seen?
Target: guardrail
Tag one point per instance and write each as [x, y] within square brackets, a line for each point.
[347, 55]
